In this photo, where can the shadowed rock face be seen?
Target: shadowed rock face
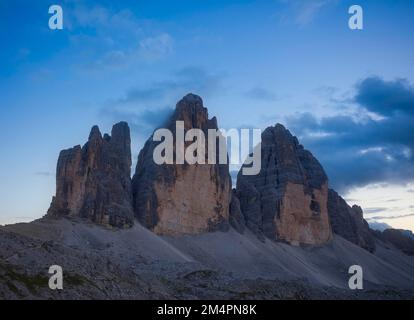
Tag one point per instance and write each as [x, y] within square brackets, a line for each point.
[178, 199]
[348, 222]
[401, 239]
[236, 217]
[287, 200]
[94, 181]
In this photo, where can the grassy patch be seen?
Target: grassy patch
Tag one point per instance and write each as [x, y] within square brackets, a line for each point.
[31, 282]
[74, 279]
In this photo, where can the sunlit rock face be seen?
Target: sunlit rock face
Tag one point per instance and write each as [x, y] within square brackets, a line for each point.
[94, 181]
[349, 223]
[287, 200]
[175, 199]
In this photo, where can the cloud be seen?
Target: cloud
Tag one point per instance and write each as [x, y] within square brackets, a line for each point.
[374, 210]
[386, 97]
[303, 12]
[188, 79]
[142, 122]
[28, 218]
[390, 217]
[393, 200]
[101, 20]
[259, 93]
[357, 150]
[43, 173]
[144, 108]
[155, 48]
[102, 37]
[149, 50]
[380, 226]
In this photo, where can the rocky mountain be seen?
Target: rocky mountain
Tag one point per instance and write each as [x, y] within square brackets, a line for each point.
[178, 230]
[94, 181]
[348, 222]
[401, 239]
[182, 198]
[287, 200]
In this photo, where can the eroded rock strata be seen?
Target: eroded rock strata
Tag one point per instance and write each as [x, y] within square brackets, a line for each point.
[287, 200]
[176, 198]
[349, 223]
[94, 181]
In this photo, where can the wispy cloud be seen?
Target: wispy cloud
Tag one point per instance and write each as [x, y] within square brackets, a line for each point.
[142, 123]
[154, 48]
[375, 210]
[381, 226]
[149, 50]
[147, 107]
[358, 150]
[303, 12]
[114, 39]
[188, 79]
[260, 93]
[390, 217]
[43, 173]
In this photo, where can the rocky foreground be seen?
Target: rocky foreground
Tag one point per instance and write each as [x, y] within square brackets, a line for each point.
[103, 263]
[179, 231]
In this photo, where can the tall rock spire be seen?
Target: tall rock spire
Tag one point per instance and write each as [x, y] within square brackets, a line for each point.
[94, 181]
[287, 200]
[182, 198]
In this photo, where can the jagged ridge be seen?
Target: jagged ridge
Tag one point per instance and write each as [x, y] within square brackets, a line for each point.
[287, 201]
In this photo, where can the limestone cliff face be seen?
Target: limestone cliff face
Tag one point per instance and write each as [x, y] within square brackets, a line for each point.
[349, 223]
[184, 198]
[94, 181]
[287, 200]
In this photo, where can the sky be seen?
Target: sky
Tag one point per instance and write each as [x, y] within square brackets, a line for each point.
[347, 94]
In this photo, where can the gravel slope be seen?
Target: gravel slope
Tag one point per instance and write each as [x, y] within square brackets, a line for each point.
[101, 263]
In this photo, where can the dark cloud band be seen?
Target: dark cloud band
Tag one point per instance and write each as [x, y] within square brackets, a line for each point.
[370, 149]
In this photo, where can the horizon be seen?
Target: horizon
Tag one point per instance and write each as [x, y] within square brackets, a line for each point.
[346, 94]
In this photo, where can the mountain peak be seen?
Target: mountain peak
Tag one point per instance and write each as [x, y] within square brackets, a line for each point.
[288, 199]
[94, 182]
[95, 134]
[176, 199]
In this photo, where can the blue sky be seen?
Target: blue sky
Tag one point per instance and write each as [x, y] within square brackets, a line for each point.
[255, 63]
